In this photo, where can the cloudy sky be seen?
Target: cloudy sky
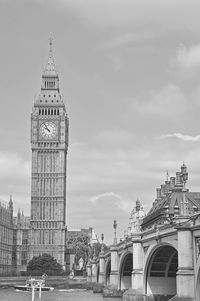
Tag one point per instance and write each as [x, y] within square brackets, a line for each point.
[130, 78]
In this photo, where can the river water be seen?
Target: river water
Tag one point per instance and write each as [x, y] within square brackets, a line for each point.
[57, 295]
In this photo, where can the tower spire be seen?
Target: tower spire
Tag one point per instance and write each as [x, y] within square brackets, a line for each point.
[11, 201]
[50, 69]
[167, 175]
[50, 78]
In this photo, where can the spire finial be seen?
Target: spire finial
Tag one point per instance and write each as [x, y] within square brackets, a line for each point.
[10, 202]
[50, 44]
[167, 175]
[50, 69]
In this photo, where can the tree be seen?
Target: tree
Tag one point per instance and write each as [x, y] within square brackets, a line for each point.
[80, 245]
[44, 264]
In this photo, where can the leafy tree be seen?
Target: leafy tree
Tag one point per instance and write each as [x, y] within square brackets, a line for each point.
[44, 264]
[96, 248]
[80, 244]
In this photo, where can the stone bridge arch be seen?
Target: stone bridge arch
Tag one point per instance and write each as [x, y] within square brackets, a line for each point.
[160, 271]
[107, 271]
[125, 270]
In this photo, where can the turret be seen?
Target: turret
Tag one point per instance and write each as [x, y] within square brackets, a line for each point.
[158, 193]
[138, 205]
[18, 217]
[172, 182]
[11, 208]
[184, 174]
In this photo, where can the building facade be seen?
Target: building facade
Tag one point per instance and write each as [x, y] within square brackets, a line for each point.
[49, 144]
[6, 238]
[21, 242]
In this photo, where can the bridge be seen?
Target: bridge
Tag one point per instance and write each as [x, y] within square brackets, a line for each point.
[159, 257]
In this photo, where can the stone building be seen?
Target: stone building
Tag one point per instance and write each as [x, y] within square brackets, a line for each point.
[6, 238]
[21, 240]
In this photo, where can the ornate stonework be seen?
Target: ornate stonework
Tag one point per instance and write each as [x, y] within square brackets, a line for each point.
[135, 219]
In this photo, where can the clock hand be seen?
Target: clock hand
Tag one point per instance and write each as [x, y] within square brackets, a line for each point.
[46, 127]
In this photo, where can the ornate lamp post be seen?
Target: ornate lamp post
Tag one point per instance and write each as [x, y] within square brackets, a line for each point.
[184, 178]
[102, 239]
[94, 254]
[115, 229]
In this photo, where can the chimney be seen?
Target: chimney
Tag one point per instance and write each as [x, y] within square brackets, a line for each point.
[138, 205]
[184, 174]
[167, 187]
[178, 178]
[158, 193]
[172, 182]
[162, 190]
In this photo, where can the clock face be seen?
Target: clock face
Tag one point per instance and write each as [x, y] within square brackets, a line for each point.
[48, 129]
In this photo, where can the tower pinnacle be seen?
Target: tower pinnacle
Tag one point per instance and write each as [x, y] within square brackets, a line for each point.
[50, 69]
[11, 202]
[50, 79]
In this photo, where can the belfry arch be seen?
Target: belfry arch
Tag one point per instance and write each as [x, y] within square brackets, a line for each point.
[125, 271]
[162, 266]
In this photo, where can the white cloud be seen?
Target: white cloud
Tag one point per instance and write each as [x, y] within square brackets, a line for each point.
[181, 137]
[127, 39]
[186, 61]
[116, 61]
[121, 203]
[96, 198]
[15, 174]
[188, 58]
[169, 101]
[13, 167]
[122, 12]
[115, 138]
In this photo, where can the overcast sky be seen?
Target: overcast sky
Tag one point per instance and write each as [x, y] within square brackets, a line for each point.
[130, 78]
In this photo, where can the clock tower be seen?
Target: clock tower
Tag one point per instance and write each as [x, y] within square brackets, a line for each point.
[49, 143]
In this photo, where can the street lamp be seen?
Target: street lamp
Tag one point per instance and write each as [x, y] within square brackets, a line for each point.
[115, 228]
[102, 239]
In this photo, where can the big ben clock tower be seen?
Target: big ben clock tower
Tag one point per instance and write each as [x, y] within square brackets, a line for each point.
[49, 143]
